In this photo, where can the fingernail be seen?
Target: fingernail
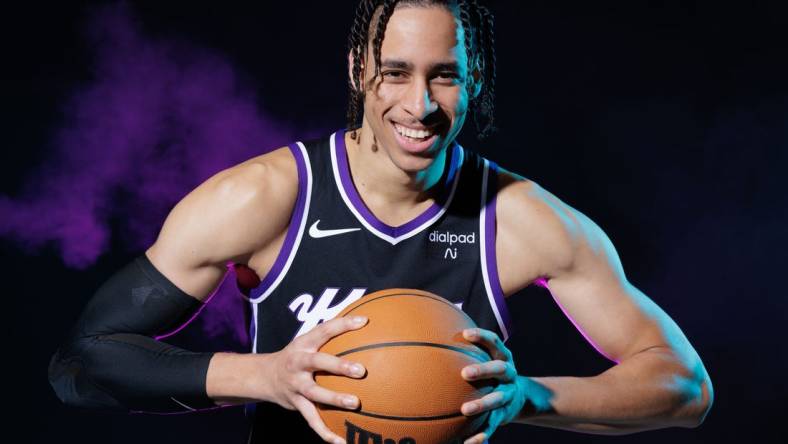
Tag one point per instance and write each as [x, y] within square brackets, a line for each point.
[348, 401]
[471, 408]
[470, 334]
[471, 372]
[359, 320]
[357, 370]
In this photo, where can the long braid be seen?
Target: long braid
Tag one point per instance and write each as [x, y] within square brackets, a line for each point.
[486, 104]
[470, 45]
[469, 18]
[357, 45]
[358, 42]
[477, 23]
[383, 20]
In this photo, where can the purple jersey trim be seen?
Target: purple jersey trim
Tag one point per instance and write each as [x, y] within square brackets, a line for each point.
[358, 204]
[492, 261]
[292, 230]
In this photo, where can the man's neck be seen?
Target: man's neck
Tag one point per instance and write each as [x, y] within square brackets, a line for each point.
[393, 195]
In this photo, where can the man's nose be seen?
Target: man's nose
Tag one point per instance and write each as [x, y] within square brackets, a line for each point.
[419, 102]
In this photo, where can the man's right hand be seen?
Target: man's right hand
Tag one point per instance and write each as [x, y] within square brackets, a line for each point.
[290, 375]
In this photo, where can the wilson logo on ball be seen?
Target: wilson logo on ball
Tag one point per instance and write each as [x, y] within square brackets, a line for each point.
[357, 435]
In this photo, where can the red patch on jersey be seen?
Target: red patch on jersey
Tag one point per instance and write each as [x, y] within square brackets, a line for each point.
[246, 278]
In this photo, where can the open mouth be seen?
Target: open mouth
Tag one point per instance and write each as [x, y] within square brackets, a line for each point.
[415, 140]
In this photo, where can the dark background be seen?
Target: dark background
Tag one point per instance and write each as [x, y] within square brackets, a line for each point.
[665, 122]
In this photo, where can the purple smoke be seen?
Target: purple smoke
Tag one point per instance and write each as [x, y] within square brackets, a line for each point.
[159, 117]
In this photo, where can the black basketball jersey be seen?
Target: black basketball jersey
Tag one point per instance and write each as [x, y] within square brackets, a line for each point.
[336, 251]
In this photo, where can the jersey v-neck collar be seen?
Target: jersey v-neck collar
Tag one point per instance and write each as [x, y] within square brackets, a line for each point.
[393, 235]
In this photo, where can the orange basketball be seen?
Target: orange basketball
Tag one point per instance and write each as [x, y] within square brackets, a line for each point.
[413, 350]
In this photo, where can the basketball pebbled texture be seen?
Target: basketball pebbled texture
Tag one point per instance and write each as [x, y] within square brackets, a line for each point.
[413, 350]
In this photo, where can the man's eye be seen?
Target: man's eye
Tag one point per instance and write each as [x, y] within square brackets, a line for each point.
[393, 74]
[447, 77]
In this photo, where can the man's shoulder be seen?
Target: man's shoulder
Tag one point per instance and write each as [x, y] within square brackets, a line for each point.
[263, 188]
[528, 214]
[276, 165]
[519, 191]
[255, 181]
[520, 200]
[233, 213]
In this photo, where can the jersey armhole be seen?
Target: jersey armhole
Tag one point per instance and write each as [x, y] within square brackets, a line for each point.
[295, 229]
[489, 262]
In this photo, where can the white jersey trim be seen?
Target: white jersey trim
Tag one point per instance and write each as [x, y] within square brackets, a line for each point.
[390, 239]
[483, 247]
[300, 234]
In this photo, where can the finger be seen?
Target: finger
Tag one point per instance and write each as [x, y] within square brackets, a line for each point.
[476, 439]
[490, 341]
[503, 371]
[491, 427]
[309, 412]
[327, 330]
[490, 401]
[332, 364]
[317, 393]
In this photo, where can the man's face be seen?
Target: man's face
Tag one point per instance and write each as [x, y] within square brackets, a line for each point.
[418, 103]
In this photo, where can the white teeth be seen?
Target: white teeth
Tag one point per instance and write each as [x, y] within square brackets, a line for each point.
[412, 133]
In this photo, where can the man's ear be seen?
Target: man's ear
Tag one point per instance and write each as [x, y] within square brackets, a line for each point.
[476, 78]
[350, 60]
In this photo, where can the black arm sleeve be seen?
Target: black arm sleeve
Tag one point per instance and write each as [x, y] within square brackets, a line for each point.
[111, 360]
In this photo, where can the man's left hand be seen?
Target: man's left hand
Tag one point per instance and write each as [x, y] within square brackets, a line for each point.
[509, 396]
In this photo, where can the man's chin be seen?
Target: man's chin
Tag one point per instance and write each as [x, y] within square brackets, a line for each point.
[415, 168]
[411, 164]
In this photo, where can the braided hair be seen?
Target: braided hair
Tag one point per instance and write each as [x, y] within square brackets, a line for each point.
[477, 22]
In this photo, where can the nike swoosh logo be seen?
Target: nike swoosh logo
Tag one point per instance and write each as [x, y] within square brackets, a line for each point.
[318, 233]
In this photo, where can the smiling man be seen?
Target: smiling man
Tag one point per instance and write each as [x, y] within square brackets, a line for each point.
[393, 201]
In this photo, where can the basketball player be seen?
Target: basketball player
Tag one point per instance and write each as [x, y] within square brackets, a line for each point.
[392, 202]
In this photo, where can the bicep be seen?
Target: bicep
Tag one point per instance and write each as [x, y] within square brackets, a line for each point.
[176, 254]
[617, 318]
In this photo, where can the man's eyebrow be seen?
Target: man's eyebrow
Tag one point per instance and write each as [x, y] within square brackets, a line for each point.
[446, 66]
[396, 64]
[401, 64]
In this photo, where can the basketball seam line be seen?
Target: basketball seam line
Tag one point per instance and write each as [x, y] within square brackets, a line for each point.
[476, 356]
[412, 418]
[411, 294]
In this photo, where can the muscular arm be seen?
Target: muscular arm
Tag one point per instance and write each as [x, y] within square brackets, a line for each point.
[658, 380]
[232, 215]
[112, 359]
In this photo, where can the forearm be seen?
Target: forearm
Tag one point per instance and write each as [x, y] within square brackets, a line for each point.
[130, 372]
[233, 378]
[652, 389]
[111, 358]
